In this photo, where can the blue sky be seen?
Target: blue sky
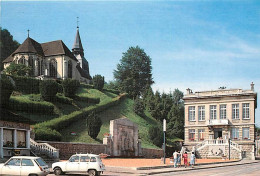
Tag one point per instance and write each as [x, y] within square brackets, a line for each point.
[197, 44]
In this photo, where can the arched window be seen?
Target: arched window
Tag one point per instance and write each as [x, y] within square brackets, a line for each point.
[42, 67]
[21, 60]
[53, 68]
[38, 67]
[31, 64]
[69, 69]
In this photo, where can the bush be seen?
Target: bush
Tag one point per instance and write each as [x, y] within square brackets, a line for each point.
[26, 105]
[112, 91]
[26, 85]
[88, 99]
[46, 134]
[48, 90]
[60, 88]
[98, 82]
[60, 98]
[6, 89]
[18, 69]
[70, 87]
[88, 86]
[156, 136]
[94, 124]
[139, 107]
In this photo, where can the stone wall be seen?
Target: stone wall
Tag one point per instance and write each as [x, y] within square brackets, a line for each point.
[152, 153]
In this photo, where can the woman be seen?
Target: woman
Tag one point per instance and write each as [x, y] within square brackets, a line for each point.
[179, 159]
[192, 159]
[185, 159]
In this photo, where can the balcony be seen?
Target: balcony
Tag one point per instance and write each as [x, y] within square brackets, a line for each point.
[218, 122]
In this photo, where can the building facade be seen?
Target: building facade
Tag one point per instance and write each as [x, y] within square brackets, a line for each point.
[213, 119]
[52, 59]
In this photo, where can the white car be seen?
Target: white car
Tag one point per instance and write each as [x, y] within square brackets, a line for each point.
[24, 166]
[84, 163]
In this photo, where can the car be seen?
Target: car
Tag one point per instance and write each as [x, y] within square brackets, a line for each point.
[24, 166]
[80, 163]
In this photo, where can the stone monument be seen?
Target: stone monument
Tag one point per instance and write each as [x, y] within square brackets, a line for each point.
[123, 138]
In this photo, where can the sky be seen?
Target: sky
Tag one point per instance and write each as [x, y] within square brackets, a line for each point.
[196, 44]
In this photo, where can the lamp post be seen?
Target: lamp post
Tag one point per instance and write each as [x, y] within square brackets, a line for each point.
[164, 130]
[229, 148]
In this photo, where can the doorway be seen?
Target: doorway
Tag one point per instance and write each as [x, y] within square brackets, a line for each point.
[217, 133]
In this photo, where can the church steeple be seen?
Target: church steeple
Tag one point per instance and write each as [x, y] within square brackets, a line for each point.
[77, 46]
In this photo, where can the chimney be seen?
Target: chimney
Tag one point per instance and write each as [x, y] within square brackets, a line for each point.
[252, 86]
[188, 91]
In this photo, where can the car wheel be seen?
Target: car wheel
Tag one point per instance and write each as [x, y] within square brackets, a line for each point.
[91, 172]
[98, 173]
[58, 171]
[33, 175]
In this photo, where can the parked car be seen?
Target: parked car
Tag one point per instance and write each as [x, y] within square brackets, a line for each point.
[24, 166]
[80, 163]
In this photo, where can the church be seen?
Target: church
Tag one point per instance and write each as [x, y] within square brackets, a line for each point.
[52, 60]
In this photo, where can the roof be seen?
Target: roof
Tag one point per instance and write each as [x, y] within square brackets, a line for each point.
[9, 59]
[77, 43]
[83, 73]
[29, 46]
[27, 157]
[85, 154]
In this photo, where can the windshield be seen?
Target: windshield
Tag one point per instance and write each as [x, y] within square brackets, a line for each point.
[41, 162]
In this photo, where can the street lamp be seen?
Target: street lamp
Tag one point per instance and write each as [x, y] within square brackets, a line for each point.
[164, 130]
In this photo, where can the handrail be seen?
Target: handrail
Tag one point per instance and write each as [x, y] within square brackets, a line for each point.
[44, 148]
[217, 142]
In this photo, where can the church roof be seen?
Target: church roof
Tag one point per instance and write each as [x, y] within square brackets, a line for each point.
[77, 43]
[83, 73]
[29, 46]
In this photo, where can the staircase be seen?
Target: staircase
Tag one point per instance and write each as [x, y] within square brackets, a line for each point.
[48, 153]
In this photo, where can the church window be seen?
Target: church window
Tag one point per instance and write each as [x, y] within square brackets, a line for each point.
[42, 67]
[53, 68]
[69, 69]
[38, 67]
[31, 64]
[21, 60]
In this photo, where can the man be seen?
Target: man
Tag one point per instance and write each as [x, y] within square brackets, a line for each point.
[175, 157]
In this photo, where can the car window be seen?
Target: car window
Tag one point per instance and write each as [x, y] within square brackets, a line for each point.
[93, 159]
[41, 162]
[27, 162]
[14, 162]
[84, 159]
[74, 159]
[99, 159]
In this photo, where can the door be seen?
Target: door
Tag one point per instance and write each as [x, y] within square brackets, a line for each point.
[84, 163]
[28, 167]
[12, 167]
[217, 133]
[73, 164]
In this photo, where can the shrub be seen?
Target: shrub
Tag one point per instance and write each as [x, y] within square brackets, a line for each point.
[88, 86]
[94, 124]
[112, 91]
[26, 85]
[156, 136]
[70, 87]
[88, 99]
[60, 88]
[27, 105]
[62, 99]
[6, 89]
[18, 69]
[46, 134]
[139, 107]
[98, 82]
[48, 90]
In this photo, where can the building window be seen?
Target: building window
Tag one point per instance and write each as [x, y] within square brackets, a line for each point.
[201, 134]
[191, 113]
[42, 68]
[38, 67]
[69, 69]
[21, 139]
[191, 134]
[235, 111]
[223, 111]
[21, 60]
[213, 112]
[245, 133]
[8, 138]
[201, 113]
[246, 111]
[53, 68]
[31, 64]
[235, 133]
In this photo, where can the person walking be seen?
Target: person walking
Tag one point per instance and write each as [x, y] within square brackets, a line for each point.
[185, 159]
[179, 159]
[175, 157]
[192, 159]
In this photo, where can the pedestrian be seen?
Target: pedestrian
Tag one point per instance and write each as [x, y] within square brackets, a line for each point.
[185, 159]
[192, 159]
[179, 159]
[175, 157]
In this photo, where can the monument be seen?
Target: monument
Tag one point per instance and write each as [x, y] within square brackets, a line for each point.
[123, 138]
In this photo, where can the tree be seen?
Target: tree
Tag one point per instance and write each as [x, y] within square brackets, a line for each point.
[98, 82]
[7, 45]
[134, 72]
[70, 87]
[139, 107]
[48, 90]
[156, 106]
[94, 124]
[17, 70]
[156, 135]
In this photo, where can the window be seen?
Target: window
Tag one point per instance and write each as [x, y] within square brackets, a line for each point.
[21, 139]
[41, 162]
[53, 68]
[201, 134]
[21, 60]
[245, 133]
[42, 68]
[27, 162]
[74, 159]
[31, 64]
[191, 113]
[93, 159]
[246, 111]
[191, 134]
[223, 111]
[235, 133]
[213, 112]
[84, 159]
[8, 138]
[69, 69]
[14, 162]
[38, 67]
[235, 111]
[201, 113]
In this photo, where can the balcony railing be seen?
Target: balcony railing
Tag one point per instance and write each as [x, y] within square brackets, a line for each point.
[218, 122]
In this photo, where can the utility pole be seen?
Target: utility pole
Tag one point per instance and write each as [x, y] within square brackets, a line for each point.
[164, 144]
[229, 148]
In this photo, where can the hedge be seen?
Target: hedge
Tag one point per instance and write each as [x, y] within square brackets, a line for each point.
[26, 85]
[112, 91]
[66, 120]
[21, 104]
[47, 134]
[88, 99]
[87, 86]
[6, 89]
[48, 90]
[70, 87]
[62, 99]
